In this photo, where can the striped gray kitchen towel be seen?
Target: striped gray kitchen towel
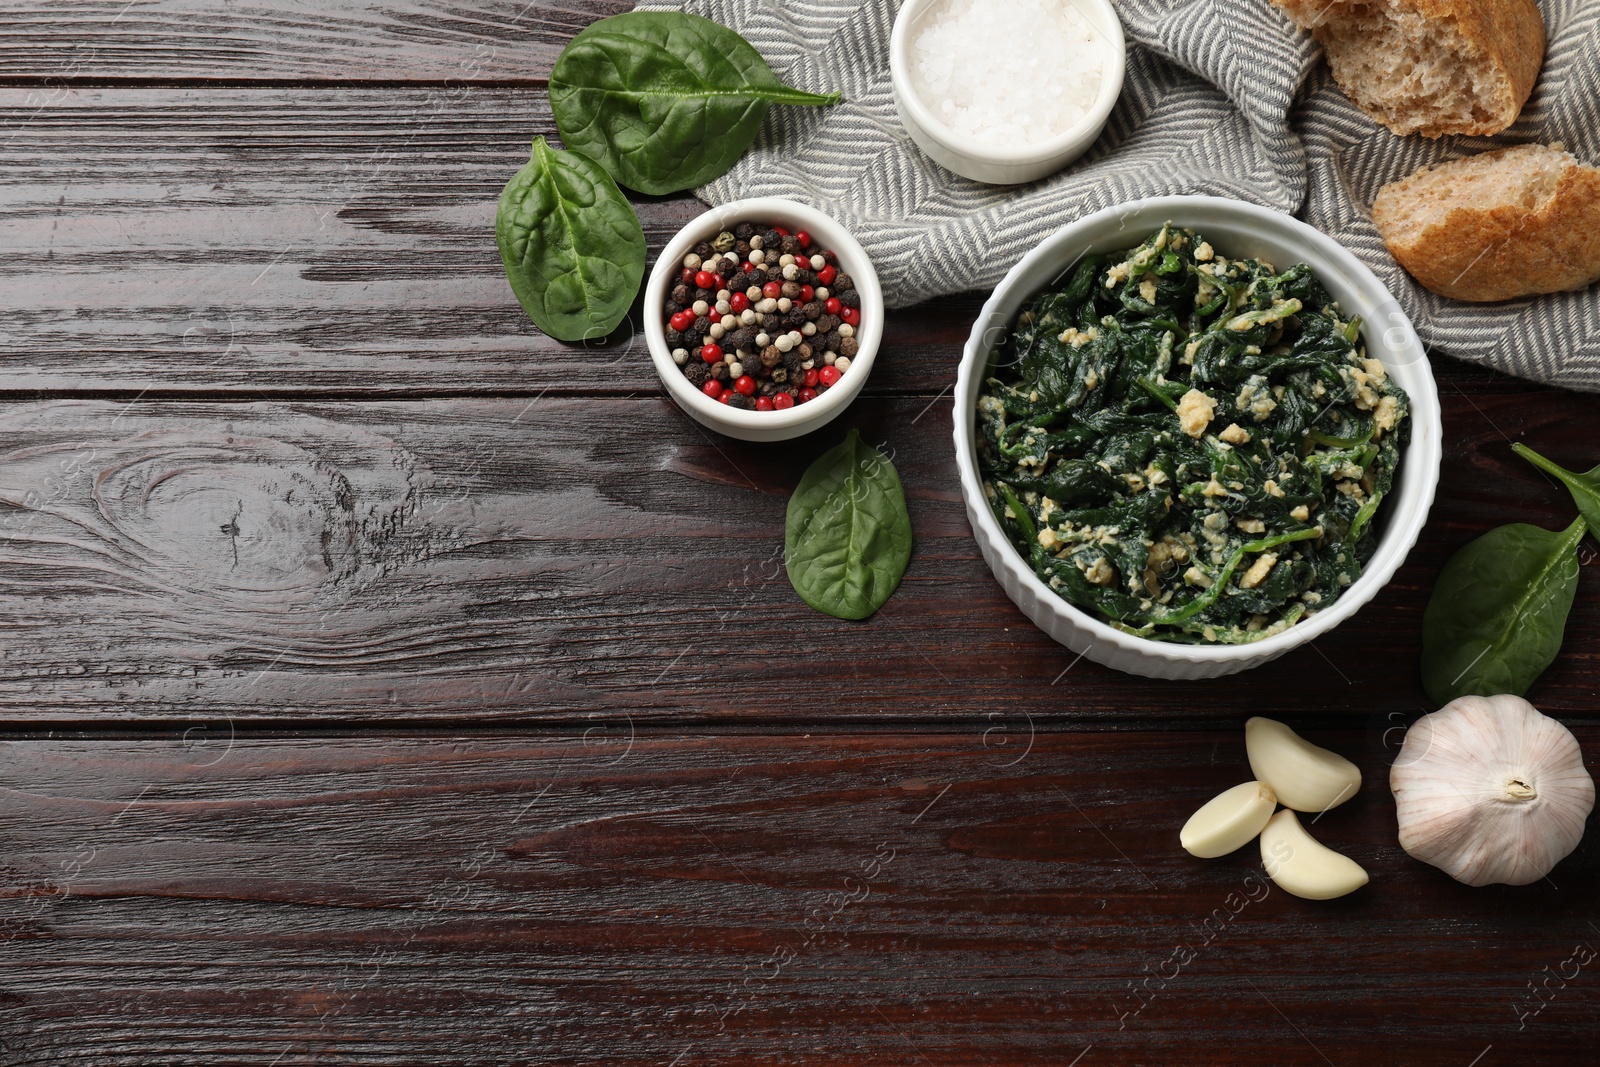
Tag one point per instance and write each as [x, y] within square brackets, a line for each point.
[1223, 97]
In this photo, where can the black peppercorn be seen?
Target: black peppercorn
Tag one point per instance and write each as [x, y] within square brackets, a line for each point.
[697, 372]
[848, 347]
[742, 402]
[849, 298]
[703, 250]
[719, 371]
[674, 338]
[744, 231]
[680, 295]
[841, 282]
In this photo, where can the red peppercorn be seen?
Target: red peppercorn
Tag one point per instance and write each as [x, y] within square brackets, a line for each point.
[807, 294]
[851, 315]
[739, 303]
[804, 238]
[706, 280]
[746, 385]
[807, 395]
[712, 388]
[763, 403]
[772, 289]
[827, 274]
[781, 231]
[681, 321]
[829, 376]
[783, 401]
[746, 267]
[811, 378]
[711, 353]
[726, 397]
[688, 276]
[832, 305]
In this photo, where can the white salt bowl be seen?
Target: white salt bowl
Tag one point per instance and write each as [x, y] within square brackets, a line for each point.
[981, 162]
[1237, 230]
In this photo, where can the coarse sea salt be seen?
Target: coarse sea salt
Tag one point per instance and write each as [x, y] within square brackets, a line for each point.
[1007, 73]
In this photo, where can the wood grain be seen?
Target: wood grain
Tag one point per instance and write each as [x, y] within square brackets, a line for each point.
[56, 42]
[711, 899]
[539, 559]
[304, 241]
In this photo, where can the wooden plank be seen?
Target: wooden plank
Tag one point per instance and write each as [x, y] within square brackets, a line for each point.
[308, 241]
[696, 899]
[58, 42]
[539, 559]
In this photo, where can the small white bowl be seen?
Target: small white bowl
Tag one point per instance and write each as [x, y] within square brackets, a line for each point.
[1237, 230]
[986, 163]
[826, 234]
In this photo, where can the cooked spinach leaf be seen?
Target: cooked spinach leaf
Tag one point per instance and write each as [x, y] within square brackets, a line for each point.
[1192, 447]
[1585, 488]
[848, 536]
[1497, 614]
[573, 248]
[665, 100]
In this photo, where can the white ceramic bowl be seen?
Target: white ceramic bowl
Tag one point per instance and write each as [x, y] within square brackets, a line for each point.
[1237, 230]
[802, 418]
[986, 163]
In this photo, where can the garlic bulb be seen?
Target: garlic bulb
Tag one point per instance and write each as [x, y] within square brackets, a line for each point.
[1489, 790]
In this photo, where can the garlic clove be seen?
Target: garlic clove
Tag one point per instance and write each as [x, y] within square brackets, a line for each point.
[1228, 820]
[1304, 776]
[1302, 865]
[1490, 790]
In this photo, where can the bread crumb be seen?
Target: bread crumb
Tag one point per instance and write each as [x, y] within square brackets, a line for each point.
[1235, 434]
[1195, 411]
[1258, 570]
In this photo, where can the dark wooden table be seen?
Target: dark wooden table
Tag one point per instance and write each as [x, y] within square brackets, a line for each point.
[384, 683]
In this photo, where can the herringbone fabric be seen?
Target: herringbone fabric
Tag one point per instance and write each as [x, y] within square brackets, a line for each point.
[1224, 97]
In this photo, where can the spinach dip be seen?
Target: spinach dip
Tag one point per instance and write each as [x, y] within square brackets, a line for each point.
[1190, 447]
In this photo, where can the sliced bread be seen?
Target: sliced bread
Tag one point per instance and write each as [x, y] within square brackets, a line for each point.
[1432, 67]
[1503, 224]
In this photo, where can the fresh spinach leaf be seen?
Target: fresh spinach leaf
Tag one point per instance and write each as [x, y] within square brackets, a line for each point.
[848, 533]
[1585, 488]
[1498, 611]
[665, 100]
[573, 248]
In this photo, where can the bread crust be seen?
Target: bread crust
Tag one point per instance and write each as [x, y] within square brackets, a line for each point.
[1510, 34]
[1499, 251]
